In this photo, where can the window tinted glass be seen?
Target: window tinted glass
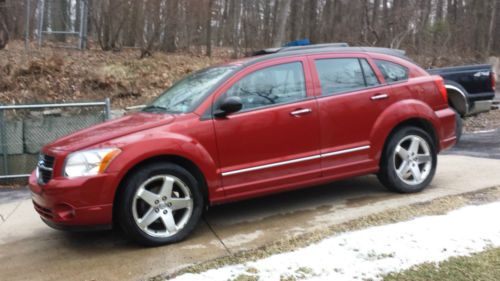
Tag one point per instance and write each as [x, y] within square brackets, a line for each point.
[273, 85]
[339, 75]
[371, 78]
[392, 72]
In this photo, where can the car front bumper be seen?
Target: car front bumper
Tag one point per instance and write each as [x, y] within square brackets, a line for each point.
[77, 204]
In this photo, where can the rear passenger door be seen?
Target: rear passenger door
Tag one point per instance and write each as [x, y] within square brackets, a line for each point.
[351, 95]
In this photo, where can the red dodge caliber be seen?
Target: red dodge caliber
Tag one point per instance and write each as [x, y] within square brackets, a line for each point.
[295, 118]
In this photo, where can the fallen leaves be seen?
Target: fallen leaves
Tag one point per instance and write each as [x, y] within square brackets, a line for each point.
[62, 75]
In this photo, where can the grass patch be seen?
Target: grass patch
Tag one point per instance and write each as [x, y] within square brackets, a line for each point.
[484, 266]
[435, 207]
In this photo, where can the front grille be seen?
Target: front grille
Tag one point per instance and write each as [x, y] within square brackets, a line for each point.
[45, 168]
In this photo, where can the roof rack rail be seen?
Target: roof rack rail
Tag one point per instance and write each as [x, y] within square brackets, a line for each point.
[313, 46]
[297, 48]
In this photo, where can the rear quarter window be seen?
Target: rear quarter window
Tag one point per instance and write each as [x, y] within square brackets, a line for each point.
[392, 72]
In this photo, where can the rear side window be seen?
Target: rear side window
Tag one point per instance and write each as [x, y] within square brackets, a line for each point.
[392, 72]
[344, 75]
[279, 84]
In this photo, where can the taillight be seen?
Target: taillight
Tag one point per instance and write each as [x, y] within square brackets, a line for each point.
[493, 80]
[442, 88]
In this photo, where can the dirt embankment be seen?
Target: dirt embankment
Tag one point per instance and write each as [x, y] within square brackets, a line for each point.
[60, 75]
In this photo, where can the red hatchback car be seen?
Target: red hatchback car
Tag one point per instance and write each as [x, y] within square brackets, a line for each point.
[266, 124]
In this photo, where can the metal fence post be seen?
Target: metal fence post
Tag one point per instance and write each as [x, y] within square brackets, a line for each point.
[107, 109]
[3, 142]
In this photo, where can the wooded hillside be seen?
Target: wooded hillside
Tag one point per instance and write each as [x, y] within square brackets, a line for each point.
[427, 27]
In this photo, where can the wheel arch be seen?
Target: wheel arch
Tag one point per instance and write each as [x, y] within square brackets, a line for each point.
[457, 97]
[183, 162]
[417, 122]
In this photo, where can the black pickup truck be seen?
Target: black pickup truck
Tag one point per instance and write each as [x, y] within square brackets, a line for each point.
[471, 89]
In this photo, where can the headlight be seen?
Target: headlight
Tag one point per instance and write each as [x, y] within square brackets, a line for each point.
[89, 162]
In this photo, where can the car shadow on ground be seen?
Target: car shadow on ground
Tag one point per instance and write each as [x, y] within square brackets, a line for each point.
[348, 193]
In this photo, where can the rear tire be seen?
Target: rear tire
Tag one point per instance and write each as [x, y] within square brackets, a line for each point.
[458, 126]
[409, 160]
[161, 204]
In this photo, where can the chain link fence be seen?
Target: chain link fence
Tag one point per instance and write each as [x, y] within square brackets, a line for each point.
[25, 129]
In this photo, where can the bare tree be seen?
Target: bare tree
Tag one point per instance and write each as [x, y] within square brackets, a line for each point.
[4, 33]
[432, 27]
[281, 20]
[209, 27]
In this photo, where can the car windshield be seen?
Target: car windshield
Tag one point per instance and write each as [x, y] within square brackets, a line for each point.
[188, 92]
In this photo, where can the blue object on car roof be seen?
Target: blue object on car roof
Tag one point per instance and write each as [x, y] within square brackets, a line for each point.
[301, 42]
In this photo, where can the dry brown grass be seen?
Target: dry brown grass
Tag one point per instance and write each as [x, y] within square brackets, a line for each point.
[484, 266]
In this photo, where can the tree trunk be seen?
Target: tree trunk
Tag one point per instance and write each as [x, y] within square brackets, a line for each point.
[209, 27]
[235, 26]
[282, 17]
[60, 18]
[4, 33]
[171, 25]
[491, 29]
[313, 22]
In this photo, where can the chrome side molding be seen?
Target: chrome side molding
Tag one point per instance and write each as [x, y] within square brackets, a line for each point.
[277, 164]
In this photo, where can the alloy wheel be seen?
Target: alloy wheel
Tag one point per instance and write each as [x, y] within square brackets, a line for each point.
[412, 160]
[162, 206]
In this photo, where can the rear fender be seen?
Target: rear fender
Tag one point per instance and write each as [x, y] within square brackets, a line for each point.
[393, 116]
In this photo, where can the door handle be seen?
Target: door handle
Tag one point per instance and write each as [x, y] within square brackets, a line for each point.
[299, 112]
[380, 97]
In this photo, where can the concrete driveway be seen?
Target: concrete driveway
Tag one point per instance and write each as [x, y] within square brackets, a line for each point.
[29, 250]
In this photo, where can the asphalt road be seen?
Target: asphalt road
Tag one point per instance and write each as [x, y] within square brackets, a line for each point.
[484, 144]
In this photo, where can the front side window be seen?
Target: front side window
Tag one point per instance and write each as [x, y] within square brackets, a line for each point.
[184, 95]
[392, 72]
[279, 84]
[339, 75]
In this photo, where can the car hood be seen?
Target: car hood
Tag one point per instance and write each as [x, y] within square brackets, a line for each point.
[109, 130]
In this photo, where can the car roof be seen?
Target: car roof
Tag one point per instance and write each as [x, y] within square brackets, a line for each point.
[273, 53]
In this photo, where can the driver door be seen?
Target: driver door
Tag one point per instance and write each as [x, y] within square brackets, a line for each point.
[273, 141]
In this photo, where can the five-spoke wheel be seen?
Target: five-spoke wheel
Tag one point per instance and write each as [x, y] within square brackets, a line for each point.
[161, 203]
[409, 160]
[412, 160]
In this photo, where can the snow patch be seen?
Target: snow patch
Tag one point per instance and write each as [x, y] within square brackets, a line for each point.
[376, 251]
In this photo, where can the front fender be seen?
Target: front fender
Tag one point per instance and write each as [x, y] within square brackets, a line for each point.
[396, 114]
[146, 147]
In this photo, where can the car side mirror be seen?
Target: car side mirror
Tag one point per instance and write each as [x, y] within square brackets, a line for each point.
[229, 105]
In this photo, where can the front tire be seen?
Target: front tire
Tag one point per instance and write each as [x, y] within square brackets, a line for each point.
[409, 161]
[161, 204]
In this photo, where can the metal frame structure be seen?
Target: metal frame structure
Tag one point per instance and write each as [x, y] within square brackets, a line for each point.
[3, 142]
[41, 29]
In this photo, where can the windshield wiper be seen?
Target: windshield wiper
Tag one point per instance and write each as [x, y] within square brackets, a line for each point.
[152, 108]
